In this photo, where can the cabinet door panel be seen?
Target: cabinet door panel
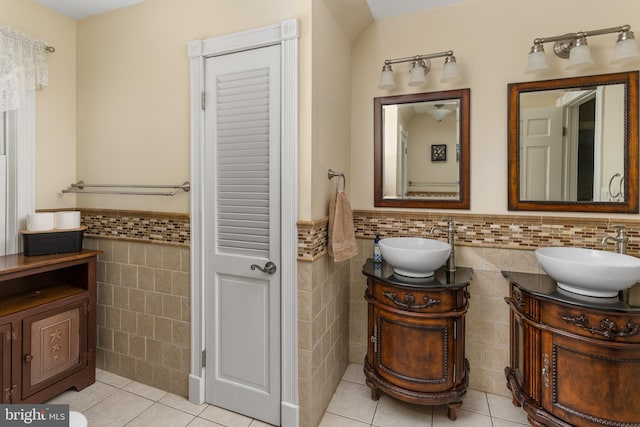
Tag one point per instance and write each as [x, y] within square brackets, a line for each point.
[414, 353]
[5, 371]
[54, 344]
[607, 379]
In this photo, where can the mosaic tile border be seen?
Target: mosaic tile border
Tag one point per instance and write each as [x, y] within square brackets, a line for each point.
[312, 239]
[158, 227]
[495, 231]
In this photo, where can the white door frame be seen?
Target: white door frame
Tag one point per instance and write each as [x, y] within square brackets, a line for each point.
[19, 171]
[286, 35]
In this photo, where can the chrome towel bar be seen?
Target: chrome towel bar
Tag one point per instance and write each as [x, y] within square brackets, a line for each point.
[80, 188]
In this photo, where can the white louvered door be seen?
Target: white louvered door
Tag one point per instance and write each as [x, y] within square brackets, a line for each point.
[242, 237]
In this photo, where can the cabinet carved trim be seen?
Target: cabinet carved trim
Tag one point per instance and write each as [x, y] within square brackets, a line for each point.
[518, 299]
[545, 370]
[608, 328]
[410, 300]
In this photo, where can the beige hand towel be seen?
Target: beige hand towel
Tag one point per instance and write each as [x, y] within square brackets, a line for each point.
[342, 237]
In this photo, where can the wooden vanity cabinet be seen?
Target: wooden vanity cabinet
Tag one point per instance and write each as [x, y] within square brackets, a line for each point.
[574, 361]
[47, 324]
[416, 329]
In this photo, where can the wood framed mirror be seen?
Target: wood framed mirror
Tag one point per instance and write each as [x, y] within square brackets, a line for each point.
[573, 144]
[421, 150]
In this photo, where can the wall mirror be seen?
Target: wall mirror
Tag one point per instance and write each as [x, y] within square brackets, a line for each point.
[573, 144]
[421, 150]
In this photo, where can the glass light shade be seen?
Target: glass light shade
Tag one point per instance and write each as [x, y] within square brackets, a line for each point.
[579, 57]
[418, 76]
[386, 80]
[537, 63]
[439, 113]
[626, 51]
[450, 72]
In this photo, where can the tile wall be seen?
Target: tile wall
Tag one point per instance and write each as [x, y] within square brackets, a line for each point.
[323, 334]
[143, 310]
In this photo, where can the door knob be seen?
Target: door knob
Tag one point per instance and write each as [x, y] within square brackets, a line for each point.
[269, 268]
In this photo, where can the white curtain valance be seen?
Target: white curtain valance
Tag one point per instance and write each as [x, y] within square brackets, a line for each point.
[23, 67]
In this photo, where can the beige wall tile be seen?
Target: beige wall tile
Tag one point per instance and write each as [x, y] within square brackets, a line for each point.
[127, 366]
[180, 284]
[137, 300]
[120, 252]
[304, 305]
[143, 312]
[163, 329]
[153, 257]
[161, 377]
[105, 338]
[129, 275]
[137, 254]
[172, 258]
[137, 347]
[146, 278]
[128, 321]
[120, 342]
[172, 306]
[185, 255]
[154, 304]
[163, 281]
[113, 273]
[181, 333]
[154, 350]
[171, 355]
[143, 372]
[112, 318]
[121, 296]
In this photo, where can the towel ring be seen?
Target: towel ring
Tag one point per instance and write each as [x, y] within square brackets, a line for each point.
[619, 193]
[332, 174]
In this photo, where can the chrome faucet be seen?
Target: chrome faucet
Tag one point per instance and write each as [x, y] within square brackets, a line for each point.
[451, 231]
[620, 239]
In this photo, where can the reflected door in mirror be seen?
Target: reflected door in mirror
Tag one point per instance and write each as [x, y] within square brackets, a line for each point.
[422, 150]
[572, 144]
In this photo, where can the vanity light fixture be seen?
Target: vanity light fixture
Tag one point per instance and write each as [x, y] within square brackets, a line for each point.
[573, 46]
[420, 67]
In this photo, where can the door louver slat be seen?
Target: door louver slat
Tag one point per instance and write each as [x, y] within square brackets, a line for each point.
[242, 168]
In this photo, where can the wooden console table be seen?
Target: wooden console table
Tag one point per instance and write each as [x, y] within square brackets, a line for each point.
[47, 325]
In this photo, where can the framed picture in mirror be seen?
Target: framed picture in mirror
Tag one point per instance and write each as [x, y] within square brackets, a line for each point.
[439, 152]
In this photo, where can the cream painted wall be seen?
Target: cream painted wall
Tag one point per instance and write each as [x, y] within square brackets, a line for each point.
[331, 114]
[133, 90]
[491, 40]
[55, 104]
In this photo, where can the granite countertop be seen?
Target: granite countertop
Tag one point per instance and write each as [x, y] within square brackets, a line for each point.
[441, 279]
[542, 285]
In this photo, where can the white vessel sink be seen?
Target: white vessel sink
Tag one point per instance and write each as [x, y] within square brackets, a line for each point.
[414, 256]
[589, 272]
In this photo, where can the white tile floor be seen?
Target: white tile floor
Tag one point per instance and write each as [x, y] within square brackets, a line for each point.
[351, 406]
[114, 401]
